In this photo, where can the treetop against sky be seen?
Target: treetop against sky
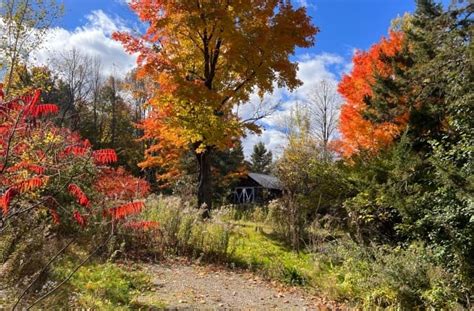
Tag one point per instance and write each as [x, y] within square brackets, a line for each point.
[345, 26]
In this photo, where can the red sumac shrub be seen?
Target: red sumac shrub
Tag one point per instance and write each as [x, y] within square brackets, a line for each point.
[47, 168]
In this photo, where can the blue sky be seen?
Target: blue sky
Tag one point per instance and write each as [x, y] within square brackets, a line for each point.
[345, 25]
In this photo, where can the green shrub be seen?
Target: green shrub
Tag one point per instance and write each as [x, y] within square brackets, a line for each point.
[292, 275]
[277, 218]
[395, 278]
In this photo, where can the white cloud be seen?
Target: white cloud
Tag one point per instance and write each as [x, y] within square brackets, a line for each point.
[93, 39]
[273, 139]
[305, 3]
[312, 69]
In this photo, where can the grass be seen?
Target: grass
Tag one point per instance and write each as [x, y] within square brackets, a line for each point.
[336, 267]
[256, 249]
[341, 270]
[108, 286]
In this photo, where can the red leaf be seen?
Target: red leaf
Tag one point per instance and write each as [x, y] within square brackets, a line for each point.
[126, 210]
[35, 168]
[28, 166]
[43, 109]
[78, 194]
[105, 156]
[119, 184]
[81, 220]
[75, 150]
[36, 97]
[55, 216]
[6, 198]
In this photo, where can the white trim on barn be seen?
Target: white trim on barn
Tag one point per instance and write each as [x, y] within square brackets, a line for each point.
[243, 195]
[256, 188]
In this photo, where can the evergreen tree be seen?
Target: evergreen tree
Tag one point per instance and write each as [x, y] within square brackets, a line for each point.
[446, 71]
[426, 190]
[261, 159]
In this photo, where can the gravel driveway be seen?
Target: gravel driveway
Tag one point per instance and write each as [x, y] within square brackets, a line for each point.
[185, 286]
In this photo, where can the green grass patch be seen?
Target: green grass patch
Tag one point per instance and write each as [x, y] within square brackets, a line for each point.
[256, 248]
[108, 286]
[362, 276]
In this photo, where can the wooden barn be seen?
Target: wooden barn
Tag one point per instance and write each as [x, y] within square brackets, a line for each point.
[257, 188]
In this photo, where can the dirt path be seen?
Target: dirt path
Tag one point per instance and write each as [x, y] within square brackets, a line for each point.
[187, 286]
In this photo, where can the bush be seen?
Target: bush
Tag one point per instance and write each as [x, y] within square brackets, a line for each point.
[401, 198]
[395, 278]
[278, 219]
[314, 187]
[53, 187]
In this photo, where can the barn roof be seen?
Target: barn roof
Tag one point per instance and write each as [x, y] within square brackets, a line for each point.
[266, 181]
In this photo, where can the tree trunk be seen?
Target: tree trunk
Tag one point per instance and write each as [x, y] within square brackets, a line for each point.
[204, 181]
[114, 112]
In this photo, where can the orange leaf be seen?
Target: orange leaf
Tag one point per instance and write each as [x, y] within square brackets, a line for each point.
[31, 184]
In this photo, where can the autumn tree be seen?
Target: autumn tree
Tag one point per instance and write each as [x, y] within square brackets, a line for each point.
[208, 57]
[26, 79]
[261, 159]
[96, 81]
[358, 131]
[118, 125]
[107, 119]
[136, 93]
[24, 24]
[77, 81]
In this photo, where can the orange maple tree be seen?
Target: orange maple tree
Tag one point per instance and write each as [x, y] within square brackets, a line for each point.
[207, 58]
[358, 132]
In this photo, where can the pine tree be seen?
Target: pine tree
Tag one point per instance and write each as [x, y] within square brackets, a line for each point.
[261, 159]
